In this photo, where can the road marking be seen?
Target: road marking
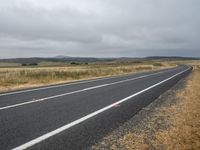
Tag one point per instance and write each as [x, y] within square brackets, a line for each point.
[78, 91]
[55, 86]
[67, 126]
[62, 85]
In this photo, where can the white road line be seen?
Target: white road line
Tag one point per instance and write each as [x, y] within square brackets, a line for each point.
[55, 86]
[62, 85]
[67, 126]
[78, 91]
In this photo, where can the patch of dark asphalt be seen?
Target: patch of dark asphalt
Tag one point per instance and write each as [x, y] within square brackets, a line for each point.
[139, 121]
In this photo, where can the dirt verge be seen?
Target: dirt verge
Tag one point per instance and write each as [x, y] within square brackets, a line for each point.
[171, 122]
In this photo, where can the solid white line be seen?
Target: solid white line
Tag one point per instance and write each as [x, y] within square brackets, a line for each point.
[67, 126]
[78, 91]
[55, 86]
[62, 85]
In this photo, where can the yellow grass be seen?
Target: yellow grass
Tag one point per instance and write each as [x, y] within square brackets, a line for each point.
[183, 119]
[23, 77]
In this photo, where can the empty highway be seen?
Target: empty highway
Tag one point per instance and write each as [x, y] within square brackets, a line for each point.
[76, 115]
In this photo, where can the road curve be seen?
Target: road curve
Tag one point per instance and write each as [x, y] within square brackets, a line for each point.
[76, 115]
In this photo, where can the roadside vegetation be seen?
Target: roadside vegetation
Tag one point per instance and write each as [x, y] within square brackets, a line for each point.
[25, 76]
[172, 127]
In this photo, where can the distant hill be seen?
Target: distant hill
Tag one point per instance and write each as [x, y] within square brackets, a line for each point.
[67, 59]
[61, 56]
[172, 58]
[62, 59]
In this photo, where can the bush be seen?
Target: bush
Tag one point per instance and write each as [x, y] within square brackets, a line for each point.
[33, 64]
[137, 61]
[74, 63]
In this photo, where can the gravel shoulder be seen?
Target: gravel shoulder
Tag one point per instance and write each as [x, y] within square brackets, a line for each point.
[144, 124]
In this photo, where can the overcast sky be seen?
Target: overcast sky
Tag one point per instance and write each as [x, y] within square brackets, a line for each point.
[99, 28]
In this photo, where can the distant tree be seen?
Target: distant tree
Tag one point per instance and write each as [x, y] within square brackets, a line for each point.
[74, 63]
[24, 64]
[137, 61]
[33, 64]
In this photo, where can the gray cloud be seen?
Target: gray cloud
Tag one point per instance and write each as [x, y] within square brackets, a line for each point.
[99, 28]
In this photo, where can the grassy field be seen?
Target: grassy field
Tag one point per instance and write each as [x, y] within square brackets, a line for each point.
[182, 119]
[12, 78]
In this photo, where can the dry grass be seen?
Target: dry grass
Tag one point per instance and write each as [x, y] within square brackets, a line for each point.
[23, 77]
[174, 127]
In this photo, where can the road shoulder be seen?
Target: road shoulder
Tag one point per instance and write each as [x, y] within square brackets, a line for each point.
[140, 132]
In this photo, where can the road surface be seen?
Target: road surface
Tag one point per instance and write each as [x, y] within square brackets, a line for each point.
[76, 115]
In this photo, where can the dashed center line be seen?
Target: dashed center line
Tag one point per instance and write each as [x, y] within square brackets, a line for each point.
[75, 92]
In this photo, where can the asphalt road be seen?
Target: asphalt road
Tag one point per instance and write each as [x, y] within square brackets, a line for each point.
[76, 115]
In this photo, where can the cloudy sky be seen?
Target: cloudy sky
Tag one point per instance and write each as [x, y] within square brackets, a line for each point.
[99, 28]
